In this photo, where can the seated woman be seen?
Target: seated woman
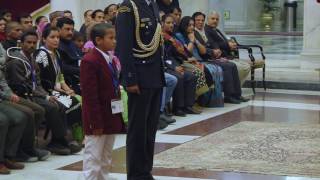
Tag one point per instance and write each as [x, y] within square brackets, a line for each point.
[231, 82]
[52, 79]
[185, 36]
[184, 92]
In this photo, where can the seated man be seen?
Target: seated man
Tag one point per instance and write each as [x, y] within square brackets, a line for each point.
[223, 48]
[35, 114]
[13, 32]
[22, 69]
[70, 54]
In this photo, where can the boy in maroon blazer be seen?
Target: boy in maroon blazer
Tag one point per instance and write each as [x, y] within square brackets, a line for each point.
[102, 107]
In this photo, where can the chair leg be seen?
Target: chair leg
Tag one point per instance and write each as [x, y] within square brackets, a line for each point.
[253, 82]
[264, 78]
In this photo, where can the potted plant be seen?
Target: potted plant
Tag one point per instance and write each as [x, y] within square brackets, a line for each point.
[267, 15]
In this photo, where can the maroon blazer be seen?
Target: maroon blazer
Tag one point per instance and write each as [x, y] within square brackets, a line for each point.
[97, 92]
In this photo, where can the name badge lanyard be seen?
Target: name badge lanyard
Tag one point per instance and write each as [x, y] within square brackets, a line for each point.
[115, 79]
[33, 76]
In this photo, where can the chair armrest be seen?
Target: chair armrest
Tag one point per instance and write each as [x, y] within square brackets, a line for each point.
[249, 49]
[250, 46]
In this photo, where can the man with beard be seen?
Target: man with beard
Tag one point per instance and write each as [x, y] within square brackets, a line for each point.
[70, 54]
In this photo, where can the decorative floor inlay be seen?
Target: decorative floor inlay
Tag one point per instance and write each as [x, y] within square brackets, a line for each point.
[251, 147]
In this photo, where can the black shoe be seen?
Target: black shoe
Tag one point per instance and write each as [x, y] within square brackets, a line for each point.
[162, 124]
[167, 119]
[190, 110]
[231, 100]
[167, 111]
[58, 149]
[180, 113]
[243, 99]
[24, 157]
[42, 154]
[74, 147]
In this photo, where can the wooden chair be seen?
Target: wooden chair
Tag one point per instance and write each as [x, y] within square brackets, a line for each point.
[254, 63]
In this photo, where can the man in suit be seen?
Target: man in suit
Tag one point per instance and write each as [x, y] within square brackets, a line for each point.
[100, 94]
[143, 78]
[222, 46]
[70, 54]
[231, 84]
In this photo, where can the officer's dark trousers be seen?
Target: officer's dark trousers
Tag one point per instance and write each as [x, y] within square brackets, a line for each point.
[12, 124]
[231, 82]
[184, 93]
[143, 111]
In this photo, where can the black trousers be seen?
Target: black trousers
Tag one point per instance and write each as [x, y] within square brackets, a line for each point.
[144, 113]
[55, 117]
[185, 91]
[231, 81]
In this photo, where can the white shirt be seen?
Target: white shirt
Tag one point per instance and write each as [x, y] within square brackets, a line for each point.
[106, 56]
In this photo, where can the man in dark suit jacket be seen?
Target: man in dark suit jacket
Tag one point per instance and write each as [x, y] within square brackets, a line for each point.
[224, 47]
[100, 98]
[143, 78]
[216, 38]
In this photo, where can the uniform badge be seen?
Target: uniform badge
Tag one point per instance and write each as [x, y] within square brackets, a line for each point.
[145, 19]
[124, 9]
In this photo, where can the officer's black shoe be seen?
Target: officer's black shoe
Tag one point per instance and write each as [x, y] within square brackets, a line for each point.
[243, 99]
[190, 110]
[180, 113]
[167, 119]
[231, 100]
[162, 124]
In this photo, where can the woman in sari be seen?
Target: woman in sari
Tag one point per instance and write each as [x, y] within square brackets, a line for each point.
[186, 37]
[176, 57]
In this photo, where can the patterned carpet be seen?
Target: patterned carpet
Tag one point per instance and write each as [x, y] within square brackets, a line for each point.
[251, 147]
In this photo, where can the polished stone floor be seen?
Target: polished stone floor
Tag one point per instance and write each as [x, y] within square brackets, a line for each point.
[272, 106]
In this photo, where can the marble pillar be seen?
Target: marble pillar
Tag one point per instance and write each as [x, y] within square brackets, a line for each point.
[311, 35]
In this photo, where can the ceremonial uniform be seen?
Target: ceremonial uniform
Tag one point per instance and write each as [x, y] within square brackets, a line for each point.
[138, 48]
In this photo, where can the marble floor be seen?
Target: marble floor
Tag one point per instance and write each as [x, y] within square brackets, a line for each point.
[280, 106]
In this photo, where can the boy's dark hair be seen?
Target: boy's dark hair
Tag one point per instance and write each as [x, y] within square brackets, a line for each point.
[99, 30]
[196, 14]
[28, 33]
[64, 20]
[94, 13]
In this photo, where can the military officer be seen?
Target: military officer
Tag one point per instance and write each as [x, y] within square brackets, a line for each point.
[139, 50]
